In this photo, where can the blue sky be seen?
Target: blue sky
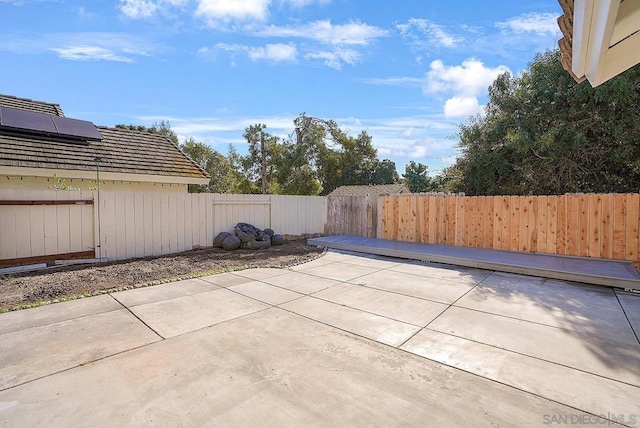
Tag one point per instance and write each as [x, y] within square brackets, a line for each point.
[406, 71]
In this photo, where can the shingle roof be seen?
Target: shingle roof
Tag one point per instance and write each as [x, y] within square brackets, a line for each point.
[370, 190]
[121, 151]
[31, 105]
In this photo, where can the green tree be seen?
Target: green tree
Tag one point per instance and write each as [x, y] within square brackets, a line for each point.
[416, 177]
[543, 133]
[224, 177]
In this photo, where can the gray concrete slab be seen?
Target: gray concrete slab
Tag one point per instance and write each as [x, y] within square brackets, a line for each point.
[370, 261]
[264, 292]
[340, 271]
[294, 373]
[260, 273]
[161, 292]
[32, 353]
[612, 273]
[575, 388]
[437, 270]
[375, 327]
[48, 314]
[391, 305]
[630, 303]
[336, 363]
[324, 260]
[591, 354]
[591, 295]
[226, 279]
[184, 314]
[301, 283]
[567, 306]
[436, 289]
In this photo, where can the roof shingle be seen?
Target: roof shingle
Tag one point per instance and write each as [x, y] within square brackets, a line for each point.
[120, 151]
[30, 105]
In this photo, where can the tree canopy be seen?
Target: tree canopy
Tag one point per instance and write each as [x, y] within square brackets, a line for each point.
[543, 133]
[320, 158]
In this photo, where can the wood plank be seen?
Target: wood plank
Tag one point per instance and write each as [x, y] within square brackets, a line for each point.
[130, 224]
[22, 226]
[47, 202]
[542, 211]
[505, 213]
[607, 226]
[23, 261]
[451, 220]
[632, 220]
[424, 201]
[583, 237]
[496, 241]
[552, 224]
[532, 224]
[523, 232]
[468, 221]
[619, 226]
[595, 225]
[488, 221]
[514, 224]
[460, 220]
[573, 225]
[433, 220]
[120, 232]
[36, 225]
[562, 214]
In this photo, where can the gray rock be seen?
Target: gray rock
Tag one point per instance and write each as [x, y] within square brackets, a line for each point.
[269, 232]
[243, 236]
[256, 245]
[250, 229]
[231, 243]
[217, 242]
[277, 239]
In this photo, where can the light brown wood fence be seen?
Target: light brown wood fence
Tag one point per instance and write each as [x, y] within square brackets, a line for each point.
[588, 225]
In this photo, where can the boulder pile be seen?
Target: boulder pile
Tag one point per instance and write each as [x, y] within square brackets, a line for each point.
[248, 237]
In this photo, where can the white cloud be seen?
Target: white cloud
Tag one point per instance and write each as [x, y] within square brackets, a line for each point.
[426, 34]
[278, 52]
[470, 78]
[138, 8]
[353, 33]
[216, 11]
[542, 24]
[458, 107]
[273, 52]
[336, 58]
[465, 82]
[89, 53]
[393, 81]
[120, 47]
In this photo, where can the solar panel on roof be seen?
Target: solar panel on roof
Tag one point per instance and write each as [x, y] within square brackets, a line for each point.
[23, 119]
[42, 123]
[76, 128]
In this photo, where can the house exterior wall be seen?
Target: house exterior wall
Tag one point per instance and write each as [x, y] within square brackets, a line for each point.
[10, 182]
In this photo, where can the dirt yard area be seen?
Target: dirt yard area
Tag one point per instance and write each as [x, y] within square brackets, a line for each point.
[63, 283]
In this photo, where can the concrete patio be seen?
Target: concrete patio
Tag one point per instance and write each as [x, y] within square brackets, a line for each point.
[345, 340]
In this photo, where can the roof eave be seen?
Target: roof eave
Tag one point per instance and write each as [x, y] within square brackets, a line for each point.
[104, 175]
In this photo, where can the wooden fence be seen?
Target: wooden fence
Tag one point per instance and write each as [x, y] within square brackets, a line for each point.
[587, 225]
[123, 225]
[353, 215]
